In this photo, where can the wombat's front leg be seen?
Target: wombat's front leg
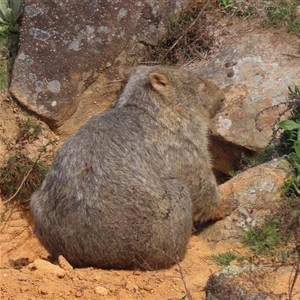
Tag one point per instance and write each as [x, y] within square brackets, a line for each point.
[209, 205]
[224, 208]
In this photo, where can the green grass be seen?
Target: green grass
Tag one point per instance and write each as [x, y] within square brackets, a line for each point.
[3, 76]
[258, 157]
[4, 54]
[274, 13]
[224, 259]
[275, 239]
[278, 238]
[263, 240]
[29, 129]
[282, 13]
[8, 48]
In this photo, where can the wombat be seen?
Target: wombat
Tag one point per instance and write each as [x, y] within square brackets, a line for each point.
[123, 192]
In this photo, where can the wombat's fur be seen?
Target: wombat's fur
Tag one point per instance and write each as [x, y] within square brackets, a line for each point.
[123, 192]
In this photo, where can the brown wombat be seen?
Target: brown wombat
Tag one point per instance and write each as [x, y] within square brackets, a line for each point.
[123, 192]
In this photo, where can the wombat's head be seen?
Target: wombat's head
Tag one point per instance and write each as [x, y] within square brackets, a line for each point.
[176, 87]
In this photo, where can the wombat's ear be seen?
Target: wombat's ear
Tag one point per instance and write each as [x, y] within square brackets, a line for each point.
[159, 81]
[124, 72]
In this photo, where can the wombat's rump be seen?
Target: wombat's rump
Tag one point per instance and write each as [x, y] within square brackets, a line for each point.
[123, 192]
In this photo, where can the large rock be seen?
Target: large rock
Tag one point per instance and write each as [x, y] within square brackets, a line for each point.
[254, 71]
[66, 44]
[255, 74]
[258, 191]
[248, 283]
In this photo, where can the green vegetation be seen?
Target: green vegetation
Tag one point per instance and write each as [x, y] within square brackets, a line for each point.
[3, 77]
[10, 18]
[283, 13]
[29, 129]
[227, 3]
[21, 176]
[280, 236]
[224, 259]
[182, 42]
[8, 48]
[263, 240]
[279, 13]
[277, 237]
[258, 157]
[19, 168]
[10, 14]
[290, 138]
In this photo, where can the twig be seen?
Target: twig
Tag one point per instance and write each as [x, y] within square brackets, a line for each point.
[149, 62]
[293, 279]
[187, 30]
[291, 55]
[5, 222]
[182, 276]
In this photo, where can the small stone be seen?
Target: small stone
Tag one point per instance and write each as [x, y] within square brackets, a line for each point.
[32, 267]
[23, 289]
[80, 276]
[47, 267]
[101, 291]
[43, 291]
[147, 288]
[235, 263]
[23, 278]
[131, 287]
[64, 264]
[78, 294]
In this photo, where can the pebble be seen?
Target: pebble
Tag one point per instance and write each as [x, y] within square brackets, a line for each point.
[47, 267]
[101, 291]
[64, 264]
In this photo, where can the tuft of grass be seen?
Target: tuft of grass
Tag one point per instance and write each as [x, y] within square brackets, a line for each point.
[279, 236]
[3, 76]
[263, 240]
[258, 157]
[226, 3]
[9, 42]
[279, 13]
[20, 176]
[10, 20]
[28, 129]
[224, 259]
[15, 171]
[283, 13]
[183, 42]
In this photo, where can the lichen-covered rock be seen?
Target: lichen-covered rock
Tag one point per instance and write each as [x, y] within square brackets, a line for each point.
[254, 73]
[66, 44]
[257, 192]
[247, 283]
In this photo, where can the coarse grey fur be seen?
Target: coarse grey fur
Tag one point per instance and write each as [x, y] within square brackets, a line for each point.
[123, 192]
